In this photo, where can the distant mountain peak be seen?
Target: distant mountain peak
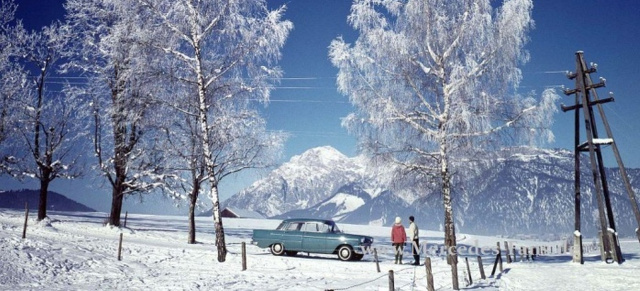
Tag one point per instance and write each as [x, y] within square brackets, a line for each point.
[302, 182]
[324, 155]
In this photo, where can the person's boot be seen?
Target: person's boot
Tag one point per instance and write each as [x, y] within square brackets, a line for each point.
[396, 262]
[416, 260]
[400, 256]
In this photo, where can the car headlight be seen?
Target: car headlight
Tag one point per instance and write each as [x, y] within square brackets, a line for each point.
[366, 240]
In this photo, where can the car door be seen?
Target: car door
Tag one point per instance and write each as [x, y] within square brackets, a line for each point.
[314, 237]
[292, 236]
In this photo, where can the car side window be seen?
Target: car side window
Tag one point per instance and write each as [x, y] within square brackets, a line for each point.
[324, 227]
[294, 226]
[311, 227]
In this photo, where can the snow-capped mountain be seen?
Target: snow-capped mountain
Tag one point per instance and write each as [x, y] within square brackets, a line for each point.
[304, 181]
[523, 191]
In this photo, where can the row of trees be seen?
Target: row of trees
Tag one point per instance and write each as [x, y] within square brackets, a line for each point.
[159, 91]
[167, 85]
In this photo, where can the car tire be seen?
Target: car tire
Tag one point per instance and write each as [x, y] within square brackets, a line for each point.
[290, 253]
[345, 253]
[277, 249]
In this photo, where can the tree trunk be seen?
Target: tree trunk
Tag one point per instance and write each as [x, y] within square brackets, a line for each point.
[120, 160]
[192, 208]
[217, 221]
[116, 205]
[208, 159]
[449, 225]
[42, 206]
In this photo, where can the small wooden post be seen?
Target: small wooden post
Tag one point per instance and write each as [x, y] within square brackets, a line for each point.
[466, 259]
[498, 261]
[125, 218]
[495, 265]
[391, 281]
[244, 256]
[427, 264]
[499, 256]
[513, 248]
[481, 268]
[375, 256]
[506, 248]
[26, 218]
[120, 248]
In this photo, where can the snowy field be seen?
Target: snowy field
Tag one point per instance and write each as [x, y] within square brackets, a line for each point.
[74, 251]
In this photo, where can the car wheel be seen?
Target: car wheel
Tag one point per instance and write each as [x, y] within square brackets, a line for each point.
[345, 253]
[290, 253]
[277, 249]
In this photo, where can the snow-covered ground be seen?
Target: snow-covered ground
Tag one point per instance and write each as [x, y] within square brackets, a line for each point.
[75, 251]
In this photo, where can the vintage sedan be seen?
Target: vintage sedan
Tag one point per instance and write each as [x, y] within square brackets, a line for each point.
[311, 236]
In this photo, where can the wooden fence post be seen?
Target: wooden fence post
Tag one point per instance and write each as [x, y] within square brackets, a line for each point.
[125, 218]
[391, 281]
[499, 256]
[120, 248]
[481, 268]
[427, 264]
[375, 256]
[506, 249]
[244, 256]
[26, 218]
[466, 259]
[498, 261]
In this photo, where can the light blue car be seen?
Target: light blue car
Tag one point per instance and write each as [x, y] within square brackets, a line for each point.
[311, 236]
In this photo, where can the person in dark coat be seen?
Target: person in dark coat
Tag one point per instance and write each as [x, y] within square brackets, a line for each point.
[398, 238]
[415, 241]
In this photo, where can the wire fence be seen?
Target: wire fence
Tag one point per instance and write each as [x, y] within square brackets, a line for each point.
[470, 275]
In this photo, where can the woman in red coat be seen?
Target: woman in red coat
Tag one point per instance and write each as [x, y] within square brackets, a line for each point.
[398, 238]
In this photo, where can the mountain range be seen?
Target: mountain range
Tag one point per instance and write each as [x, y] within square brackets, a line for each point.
[523, 190]
[16, 199]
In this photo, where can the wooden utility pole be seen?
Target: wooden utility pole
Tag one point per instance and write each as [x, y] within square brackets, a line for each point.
[586, 98]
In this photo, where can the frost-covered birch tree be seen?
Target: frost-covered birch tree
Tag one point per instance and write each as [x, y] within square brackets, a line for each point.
[227, 51]
[241, 142]
[110, 53]
[44, 121]
[12, 80]
[435, 82]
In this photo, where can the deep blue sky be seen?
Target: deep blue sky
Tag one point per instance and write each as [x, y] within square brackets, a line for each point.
[307, 105]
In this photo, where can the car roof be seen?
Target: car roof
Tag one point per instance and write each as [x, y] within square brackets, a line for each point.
[308, 220]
